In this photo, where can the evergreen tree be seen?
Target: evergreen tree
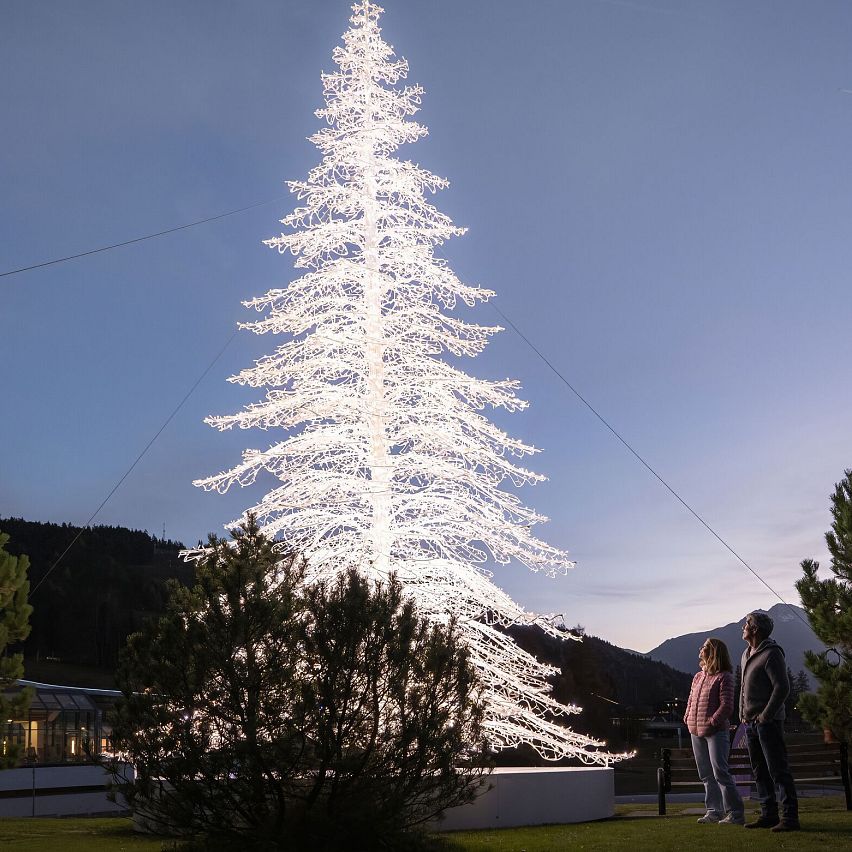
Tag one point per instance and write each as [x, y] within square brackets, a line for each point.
[802, 681]
[828, 603]
[792, 696]
[14, 628]
[261, 713]
[799, 686]
[385, 460]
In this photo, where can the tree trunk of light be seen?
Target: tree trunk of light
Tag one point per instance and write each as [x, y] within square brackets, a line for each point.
[379, 460]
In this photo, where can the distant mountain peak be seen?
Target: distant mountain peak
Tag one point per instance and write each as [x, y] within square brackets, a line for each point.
[785, 615]
[792, 632]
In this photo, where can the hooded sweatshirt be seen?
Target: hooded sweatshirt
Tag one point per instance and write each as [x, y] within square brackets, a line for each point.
[765, 685]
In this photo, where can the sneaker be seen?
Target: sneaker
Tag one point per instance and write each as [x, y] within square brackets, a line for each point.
[733, 819]
[785, 825]
[763, 822]
[708, 818]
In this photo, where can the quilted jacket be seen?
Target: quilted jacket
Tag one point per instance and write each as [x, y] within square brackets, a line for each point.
[711, 703]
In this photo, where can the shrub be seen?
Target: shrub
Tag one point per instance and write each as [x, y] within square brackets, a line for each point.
[264, 713]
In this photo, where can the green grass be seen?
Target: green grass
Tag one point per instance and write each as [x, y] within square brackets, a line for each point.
[79, 834]
[827, 825]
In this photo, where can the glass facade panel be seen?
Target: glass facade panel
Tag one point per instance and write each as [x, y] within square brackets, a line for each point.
[59, 728]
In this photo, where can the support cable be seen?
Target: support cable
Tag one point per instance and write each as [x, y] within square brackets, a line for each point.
[645, 463]
[138, 239]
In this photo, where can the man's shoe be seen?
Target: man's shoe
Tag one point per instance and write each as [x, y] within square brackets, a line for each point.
[733, 819]
[763, 822]
[786, 825]
[708, 818]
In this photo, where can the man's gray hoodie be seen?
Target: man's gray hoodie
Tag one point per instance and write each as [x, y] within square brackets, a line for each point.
[765, 685]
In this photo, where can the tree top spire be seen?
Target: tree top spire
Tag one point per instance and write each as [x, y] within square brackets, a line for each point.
[366, 12]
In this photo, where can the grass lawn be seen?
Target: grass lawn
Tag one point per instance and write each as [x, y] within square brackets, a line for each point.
[827, 826]
[74, 834]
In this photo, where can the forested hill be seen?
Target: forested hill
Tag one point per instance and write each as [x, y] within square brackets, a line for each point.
[605, 680]
[109, 582]
[113, 578]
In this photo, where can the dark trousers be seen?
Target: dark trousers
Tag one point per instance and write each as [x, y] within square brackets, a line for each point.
[768, 755]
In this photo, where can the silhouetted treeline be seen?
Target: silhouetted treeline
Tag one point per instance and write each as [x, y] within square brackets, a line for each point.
[108, 583]
[114, 578]
[605, 680]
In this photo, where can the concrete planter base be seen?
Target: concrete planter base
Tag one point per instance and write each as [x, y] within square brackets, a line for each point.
[518, 796]
[536, 796]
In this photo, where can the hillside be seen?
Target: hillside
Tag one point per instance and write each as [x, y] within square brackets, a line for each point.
[605, 680]
[114, 578]
[110, 581]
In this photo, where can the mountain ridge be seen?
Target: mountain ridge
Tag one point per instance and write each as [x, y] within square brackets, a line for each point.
[792, 632]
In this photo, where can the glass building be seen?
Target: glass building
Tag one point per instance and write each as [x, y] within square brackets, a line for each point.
[64, 724]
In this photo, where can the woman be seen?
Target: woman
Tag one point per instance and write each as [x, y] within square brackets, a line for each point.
[708, 715]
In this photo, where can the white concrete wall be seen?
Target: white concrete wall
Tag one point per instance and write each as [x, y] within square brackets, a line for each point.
[536, 796]
[22, 782]
[518, 796]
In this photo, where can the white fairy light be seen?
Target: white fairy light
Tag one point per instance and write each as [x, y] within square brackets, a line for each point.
[386, 462]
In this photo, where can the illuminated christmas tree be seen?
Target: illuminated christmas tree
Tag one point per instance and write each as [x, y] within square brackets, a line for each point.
[386, 461]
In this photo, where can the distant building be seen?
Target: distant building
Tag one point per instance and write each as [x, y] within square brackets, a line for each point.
[64, 724]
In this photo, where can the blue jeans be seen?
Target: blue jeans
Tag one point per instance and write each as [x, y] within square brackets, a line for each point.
[768, 755]
[720, 790]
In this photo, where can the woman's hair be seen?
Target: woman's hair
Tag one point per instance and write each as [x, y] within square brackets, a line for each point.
[716, 656]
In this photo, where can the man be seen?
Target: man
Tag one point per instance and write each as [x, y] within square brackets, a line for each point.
[765, 687]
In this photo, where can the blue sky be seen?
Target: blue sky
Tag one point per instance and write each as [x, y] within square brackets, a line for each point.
[658, 190]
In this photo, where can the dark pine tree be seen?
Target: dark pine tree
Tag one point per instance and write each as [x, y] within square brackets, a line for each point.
[792, 696]
[828, 603]
[261, 713]
[803, 683]
[800, 684]
[14, 628]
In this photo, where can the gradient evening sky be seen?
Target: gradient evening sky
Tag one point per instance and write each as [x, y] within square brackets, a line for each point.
[660, 192]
